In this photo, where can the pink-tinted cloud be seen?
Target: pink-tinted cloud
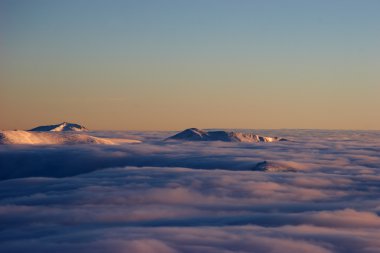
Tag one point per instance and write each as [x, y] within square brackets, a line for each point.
[192, 197]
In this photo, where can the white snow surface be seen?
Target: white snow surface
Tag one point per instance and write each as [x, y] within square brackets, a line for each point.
[49, 138]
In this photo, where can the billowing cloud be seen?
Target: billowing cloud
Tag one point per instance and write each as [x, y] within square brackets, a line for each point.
[316, 151]
[193, 197]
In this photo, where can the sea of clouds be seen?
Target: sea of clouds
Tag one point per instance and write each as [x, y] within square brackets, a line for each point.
[193, 196]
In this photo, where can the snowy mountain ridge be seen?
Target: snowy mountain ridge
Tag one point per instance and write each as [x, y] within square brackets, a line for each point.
[195, 134]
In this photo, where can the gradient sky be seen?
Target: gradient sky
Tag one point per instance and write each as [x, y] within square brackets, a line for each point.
[168, 65]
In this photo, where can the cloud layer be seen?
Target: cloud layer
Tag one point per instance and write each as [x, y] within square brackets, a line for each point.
[194, 197]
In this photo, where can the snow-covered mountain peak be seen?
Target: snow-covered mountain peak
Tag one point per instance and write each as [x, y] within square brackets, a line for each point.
[62, 127]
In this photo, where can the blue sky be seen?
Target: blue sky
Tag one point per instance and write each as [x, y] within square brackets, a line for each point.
[172, 64]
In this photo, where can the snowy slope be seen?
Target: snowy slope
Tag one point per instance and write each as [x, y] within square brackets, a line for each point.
[43, 138]
[195, 134]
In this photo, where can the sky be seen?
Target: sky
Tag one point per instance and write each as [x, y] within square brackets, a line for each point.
[169, 65]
